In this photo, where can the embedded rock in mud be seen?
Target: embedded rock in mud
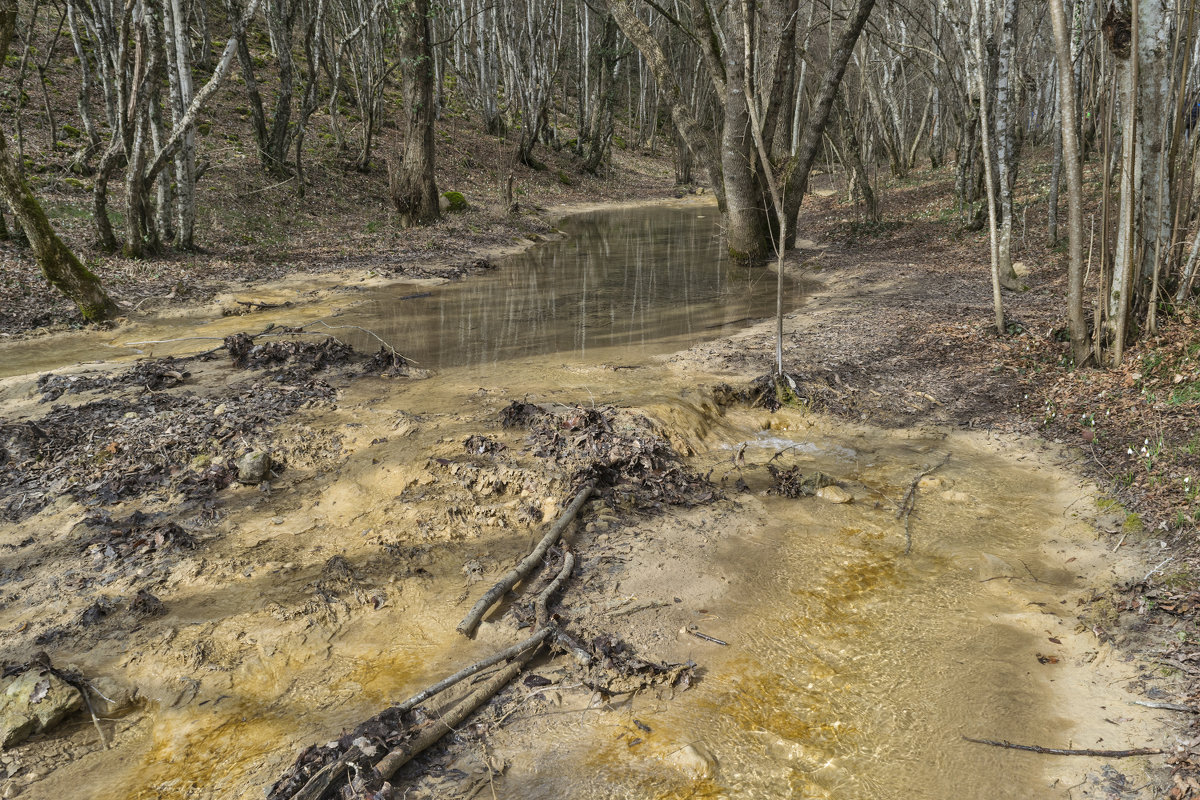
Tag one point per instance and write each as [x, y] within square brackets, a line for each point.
[834, 494]
[254, 467]
[109, 698]
[34, 701]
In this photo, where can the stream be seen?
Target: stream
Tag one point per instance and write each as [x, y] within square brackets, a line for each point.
[849, 669]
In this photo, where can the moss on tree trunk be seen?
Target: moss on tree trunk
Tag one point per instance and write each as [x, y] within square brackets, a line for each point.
[61, 267]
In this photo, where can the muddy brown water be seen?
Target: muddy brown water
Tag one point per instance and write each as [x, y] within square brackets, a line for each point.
[627, 283]
[852, 670]
[635, 282]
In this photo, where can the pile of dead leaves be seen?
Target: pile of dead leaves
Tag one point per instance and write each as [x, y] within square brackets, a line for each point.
[622, 454]
[791, 482]
[155, 375]
[247, 352]
[617, 669]
[133, 538]
[113, 449]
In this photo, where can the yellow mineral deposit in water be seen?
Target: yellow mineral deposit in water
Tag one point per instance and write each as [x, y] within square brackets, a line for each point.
[854, 671]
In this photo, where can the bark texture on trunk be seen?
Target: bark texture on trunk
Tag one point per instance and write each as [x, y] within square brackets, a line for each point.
[747, 225]
[1068, 111]
[413, 189]
[58, 264]
[669, 90]
[1144, 216]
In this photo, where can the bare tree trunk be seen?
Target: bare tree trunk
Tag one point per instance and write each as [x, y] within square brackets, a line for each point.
[58, 264]
[1005, 145]
[802, 159]
[413, 190]
[179, 73]
[85, 93]
[747, 226]
[1080, 344]
[851, 153]
[669, 89]
[600, 123]
[1056, 170]
[980, 66]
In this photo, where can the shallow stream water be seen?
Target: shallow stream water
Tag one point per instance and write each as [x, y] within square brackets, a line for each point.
[626, 284]
[851, 671]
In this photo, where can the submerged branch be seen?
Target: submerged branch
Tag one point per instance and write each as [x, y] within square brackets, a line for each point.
[909, 503]
[1055, 751]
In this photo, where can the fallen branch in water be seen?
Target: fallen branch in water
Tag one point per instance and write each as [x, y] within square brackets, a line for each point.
[1055, 751]
[254, 305]
[541, 604]
[451, 717]
[521, 571]
[451, 714]
[694, 631]
[448, 719]
[909, 503]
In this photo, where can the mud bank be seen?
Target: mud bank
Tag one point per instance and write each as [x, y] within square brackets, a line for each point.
[290, 607]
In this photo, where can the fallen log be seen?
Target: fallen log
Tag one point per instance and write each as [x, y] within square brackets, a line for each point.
[521, 571]
[450, 718]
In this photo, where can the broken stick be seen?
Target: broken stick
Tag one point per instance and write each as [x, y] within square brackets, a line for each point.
[448, 718]
[1055, 751]
[521, 571]
[478, 666]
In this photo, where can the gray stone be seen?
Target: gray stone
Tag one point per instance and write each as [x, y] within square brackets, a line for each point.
[32, 702]
[254, 467]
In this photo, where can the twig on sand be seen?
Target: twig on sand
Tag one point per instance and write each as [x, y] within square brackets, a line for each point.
[1166, 561]
[909, 503]
[1055, 751]
[521, 571]
[1165, 706]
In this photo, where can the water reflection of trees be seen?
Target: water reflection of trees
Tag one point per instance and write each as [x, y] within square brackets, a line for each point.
[622, 279]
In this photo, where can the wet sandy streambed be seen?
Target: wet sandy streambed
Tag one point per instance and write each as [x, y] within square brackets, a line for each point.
[851, 670]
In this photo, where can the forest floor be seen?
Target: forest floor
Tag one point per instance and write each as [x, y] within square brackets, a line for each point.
[898, 336]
